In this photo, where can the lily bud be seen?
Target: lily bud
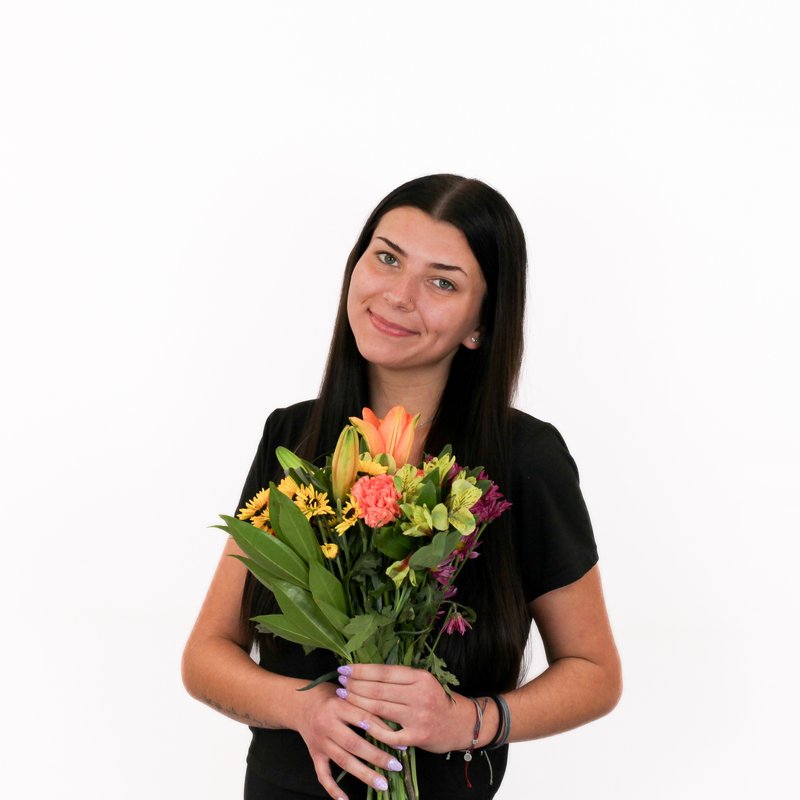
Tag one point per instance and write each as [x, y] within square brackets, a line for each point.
[344, 466]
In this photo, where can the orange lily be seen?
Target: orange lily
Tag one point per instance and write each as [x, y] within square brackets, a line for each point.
[393, 435]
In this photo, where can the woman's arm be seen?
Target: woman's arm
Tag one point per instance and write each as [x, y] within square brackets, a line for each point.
[584, 678]
[582, 683]
[217, 669]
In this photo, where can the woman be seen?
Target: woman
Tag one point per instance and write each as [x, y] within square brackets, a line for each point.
[430, 318]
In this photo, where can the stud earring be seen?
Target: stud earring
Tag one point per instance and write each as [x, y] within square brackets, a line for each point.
[474, 339]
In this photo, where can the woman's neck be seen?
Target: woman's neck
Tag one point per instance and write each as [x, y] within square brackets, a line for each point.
[417, 394]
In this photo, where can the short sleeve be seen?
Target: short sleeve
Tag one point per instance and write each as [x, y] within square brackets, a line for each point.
[284, 427]
[555, 540]
[257, 475]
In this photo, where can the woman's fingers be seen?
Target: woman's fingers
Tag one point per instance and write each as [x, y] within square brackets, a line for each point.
[325, 778]
[349, 759]
[329, 733]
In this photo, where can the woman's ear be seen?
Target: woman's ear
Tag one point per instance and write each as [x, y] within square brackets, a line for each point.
[473, 341]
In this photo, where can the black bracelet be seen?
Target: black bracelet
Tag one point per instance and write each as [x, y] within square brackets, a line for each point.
[504, 725]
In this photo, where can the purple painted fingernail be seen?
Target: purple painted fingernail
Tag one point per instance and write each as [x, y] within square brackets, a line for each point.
[394, 765]
[364, 725]
[343, 680]
[401, 747]
[380, 784]
[345, 670]
[342, 693]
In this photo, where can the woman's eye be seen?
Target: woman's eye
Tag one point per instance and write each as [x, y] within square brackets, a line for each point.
[443, 283]
[388, 259]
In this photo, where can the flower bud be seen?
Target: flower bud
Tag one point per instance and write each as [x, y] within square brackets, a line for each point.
[344, 466]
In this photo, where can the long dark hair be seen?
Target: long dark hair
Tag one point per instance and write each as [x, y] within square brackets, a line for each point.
[473, 415]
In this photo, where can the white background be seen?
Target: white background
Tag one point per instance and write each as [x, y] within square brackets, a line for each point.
[180, 184]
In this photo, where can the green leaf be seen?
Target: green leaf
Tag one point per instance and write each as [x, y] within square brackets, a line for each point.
[336, 618]
[279, 625]
[267, 551]
[292, 527]
[392, 543]
[301, 610]
[264, 576]
[317, 681]
[288, 460]
[434, 553]
[366, 564]
[326, 587]
[427, 493]
[359, 629]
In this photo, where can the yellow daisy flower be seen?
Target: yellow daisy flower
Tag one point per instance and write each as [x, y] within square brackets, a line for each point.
[259, 505]
[288, 487]
[312, 503]
[261, 521]
[370, 467]
[350, 514]
[330, 550]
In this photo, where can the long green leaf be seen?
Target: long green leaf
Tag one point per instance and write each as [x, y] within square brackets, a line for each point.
[434, 553]
[337, 618]
[300, 609]
[280, 625]
[325, 586]
[264, 576]
[293, 528]
[267, 551]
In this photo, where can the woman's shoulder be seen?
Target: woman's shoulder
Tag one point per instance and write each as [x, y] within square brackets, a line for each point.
[537, 443]
[285, 425]
[292, 414]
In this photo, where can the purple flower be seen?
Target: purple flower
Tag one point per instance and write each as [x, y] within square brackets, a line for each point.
[454, 470]
[467, 547]
[444, 573]
[491, 505]
[457, 623]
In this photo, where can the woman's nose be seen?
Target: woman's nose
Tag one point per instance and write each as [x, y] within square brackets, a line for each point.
[400, 295]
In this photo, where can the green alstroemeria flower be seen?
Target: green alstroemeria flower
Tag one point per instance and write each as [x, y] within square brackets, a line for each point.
[444, 463]
[463, 495]
[399, 571]
[422, 521]
[407, 482]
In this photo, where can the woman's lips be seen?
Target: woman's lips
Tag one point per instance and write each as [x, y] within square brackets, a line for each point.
[384, 326]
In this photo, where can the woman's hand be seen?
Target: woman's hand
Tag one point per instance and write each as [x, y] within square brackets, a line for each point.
[415, 700]
[326, 723]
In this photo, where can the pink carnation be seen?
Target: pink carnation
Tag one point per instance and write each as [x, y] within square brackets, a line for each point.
[377, 499]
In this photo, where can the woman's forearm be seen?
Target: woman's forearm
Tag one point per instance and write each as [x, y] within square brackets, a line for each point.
[218, 672]
[569, 693]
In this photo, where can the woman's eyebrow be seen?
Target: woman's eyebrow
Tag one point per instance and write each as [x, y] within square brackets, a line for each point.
[445, 267]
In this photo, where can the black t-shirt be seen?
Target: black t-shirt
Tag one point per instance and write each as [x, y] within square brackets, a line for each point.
[555, 545]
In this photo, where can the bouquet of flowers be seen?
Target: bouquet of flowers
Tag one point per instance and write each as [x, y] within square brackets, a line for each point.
[363, 554]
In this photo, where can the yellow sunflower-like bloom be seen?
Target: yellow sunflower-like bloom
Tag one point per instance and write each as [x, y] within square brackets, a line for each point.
[370, 467]
[330, 550]
[349, 516]
[259, 505]
[261, 521]
[288, 487]
[313, 503]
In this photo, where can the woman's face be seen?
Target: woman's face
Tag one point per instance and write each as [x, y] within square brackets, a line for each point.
[415, 294]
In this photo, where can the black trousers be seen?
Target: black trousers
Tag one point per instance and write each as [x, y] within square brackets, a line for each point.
[256, 788]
